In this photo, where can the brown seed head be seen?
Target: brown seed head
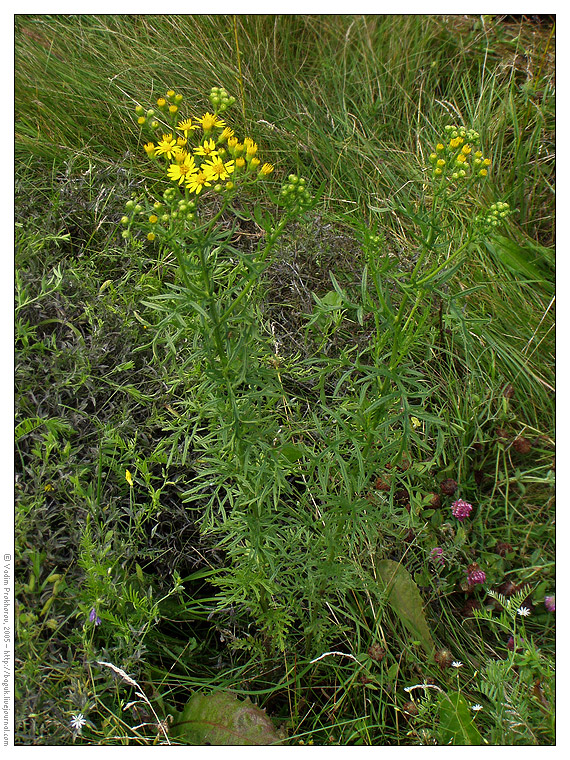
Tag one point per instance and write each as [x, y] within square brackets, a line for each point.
[522, 445]
[376, 652]
[502, 548]
[444, 658]
[448, 487]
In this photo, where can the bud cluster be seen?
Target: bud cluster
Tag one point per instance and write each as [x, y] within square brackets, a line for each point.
[495, 215]
[294, 194]
[220, 99]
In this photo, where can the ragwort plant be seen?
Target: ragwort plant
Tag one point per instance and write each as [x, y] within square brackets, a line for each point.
[232, 400]
[284, 482]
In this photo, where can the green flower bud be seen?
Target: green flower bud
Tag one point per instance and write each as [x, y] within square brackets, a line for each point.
[129, 205]
[124, 220]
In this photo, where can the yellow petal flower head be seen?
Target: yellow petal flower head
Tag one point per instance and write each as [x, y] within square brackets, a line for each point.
[225, 135]
[195, 182]
[181, 171]
[208, 148]
[128, 477]
[266, 169]
[187, 126]
[209, 121]
[216, 169]
[167, 146]
[150, 149]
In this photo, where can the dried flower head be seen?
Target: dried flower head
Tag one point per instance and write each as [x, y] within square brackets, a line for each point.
[448, 487]
[522, 445]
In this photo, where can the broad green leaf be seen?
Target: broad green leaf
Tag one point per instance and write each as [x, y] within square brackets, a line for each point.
[405, 600]
[222, 719]
[291, 452]
[528, 261]
[456, 722]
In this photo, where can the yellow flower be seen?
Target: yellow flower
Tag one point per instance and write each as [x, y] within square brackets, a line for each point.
[170, 93]
[161, 102]
[466, 149]
[240, 162]
[141, 120]
[216, 169]
[232, 142]
[209, 121]
[151, 236]
[153, 219]
[128, 478]
[266, 169]
[461, 158]
[179, 154]
[225, 134]
[441, 162]
[150, 149]
[487, 161]
[208, 148]
[439, 147]
[173, 109]
[483, 173]
[181, 171]
[167, 146]
[187, 126]
[182, 141]
[195, 182]
[254, 163]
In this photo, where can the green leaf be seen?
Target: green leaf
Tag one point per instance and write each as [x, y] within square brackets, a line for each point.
[222, 719]
[528, 261]
[291, 452]
[405, 600]
[456, 722]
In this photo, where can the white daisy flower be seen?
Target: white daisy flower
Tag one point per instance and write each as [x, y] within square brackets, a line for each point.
[456, 664]
[77, 722]
[476, 708]
[523, 611]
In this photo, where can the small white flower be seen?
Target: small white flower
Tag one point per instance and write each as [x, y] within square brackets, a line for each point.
[456, 664]
[77, 722]
[476, 708]
[523, 611]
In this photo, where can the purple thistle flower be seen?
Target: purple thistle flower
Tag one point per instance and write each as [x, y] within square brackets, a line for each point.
[94, 617]
[550, 603]
[461, 509]
[475, 576]
[436, 556]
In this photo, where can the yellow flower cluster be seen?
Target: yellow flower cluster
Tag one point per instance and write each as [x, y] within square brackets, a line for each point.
[202, 151]
[457, 156]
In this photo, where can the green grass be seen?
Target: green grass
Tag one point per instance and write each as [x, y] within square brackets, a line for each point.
[241, 554]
